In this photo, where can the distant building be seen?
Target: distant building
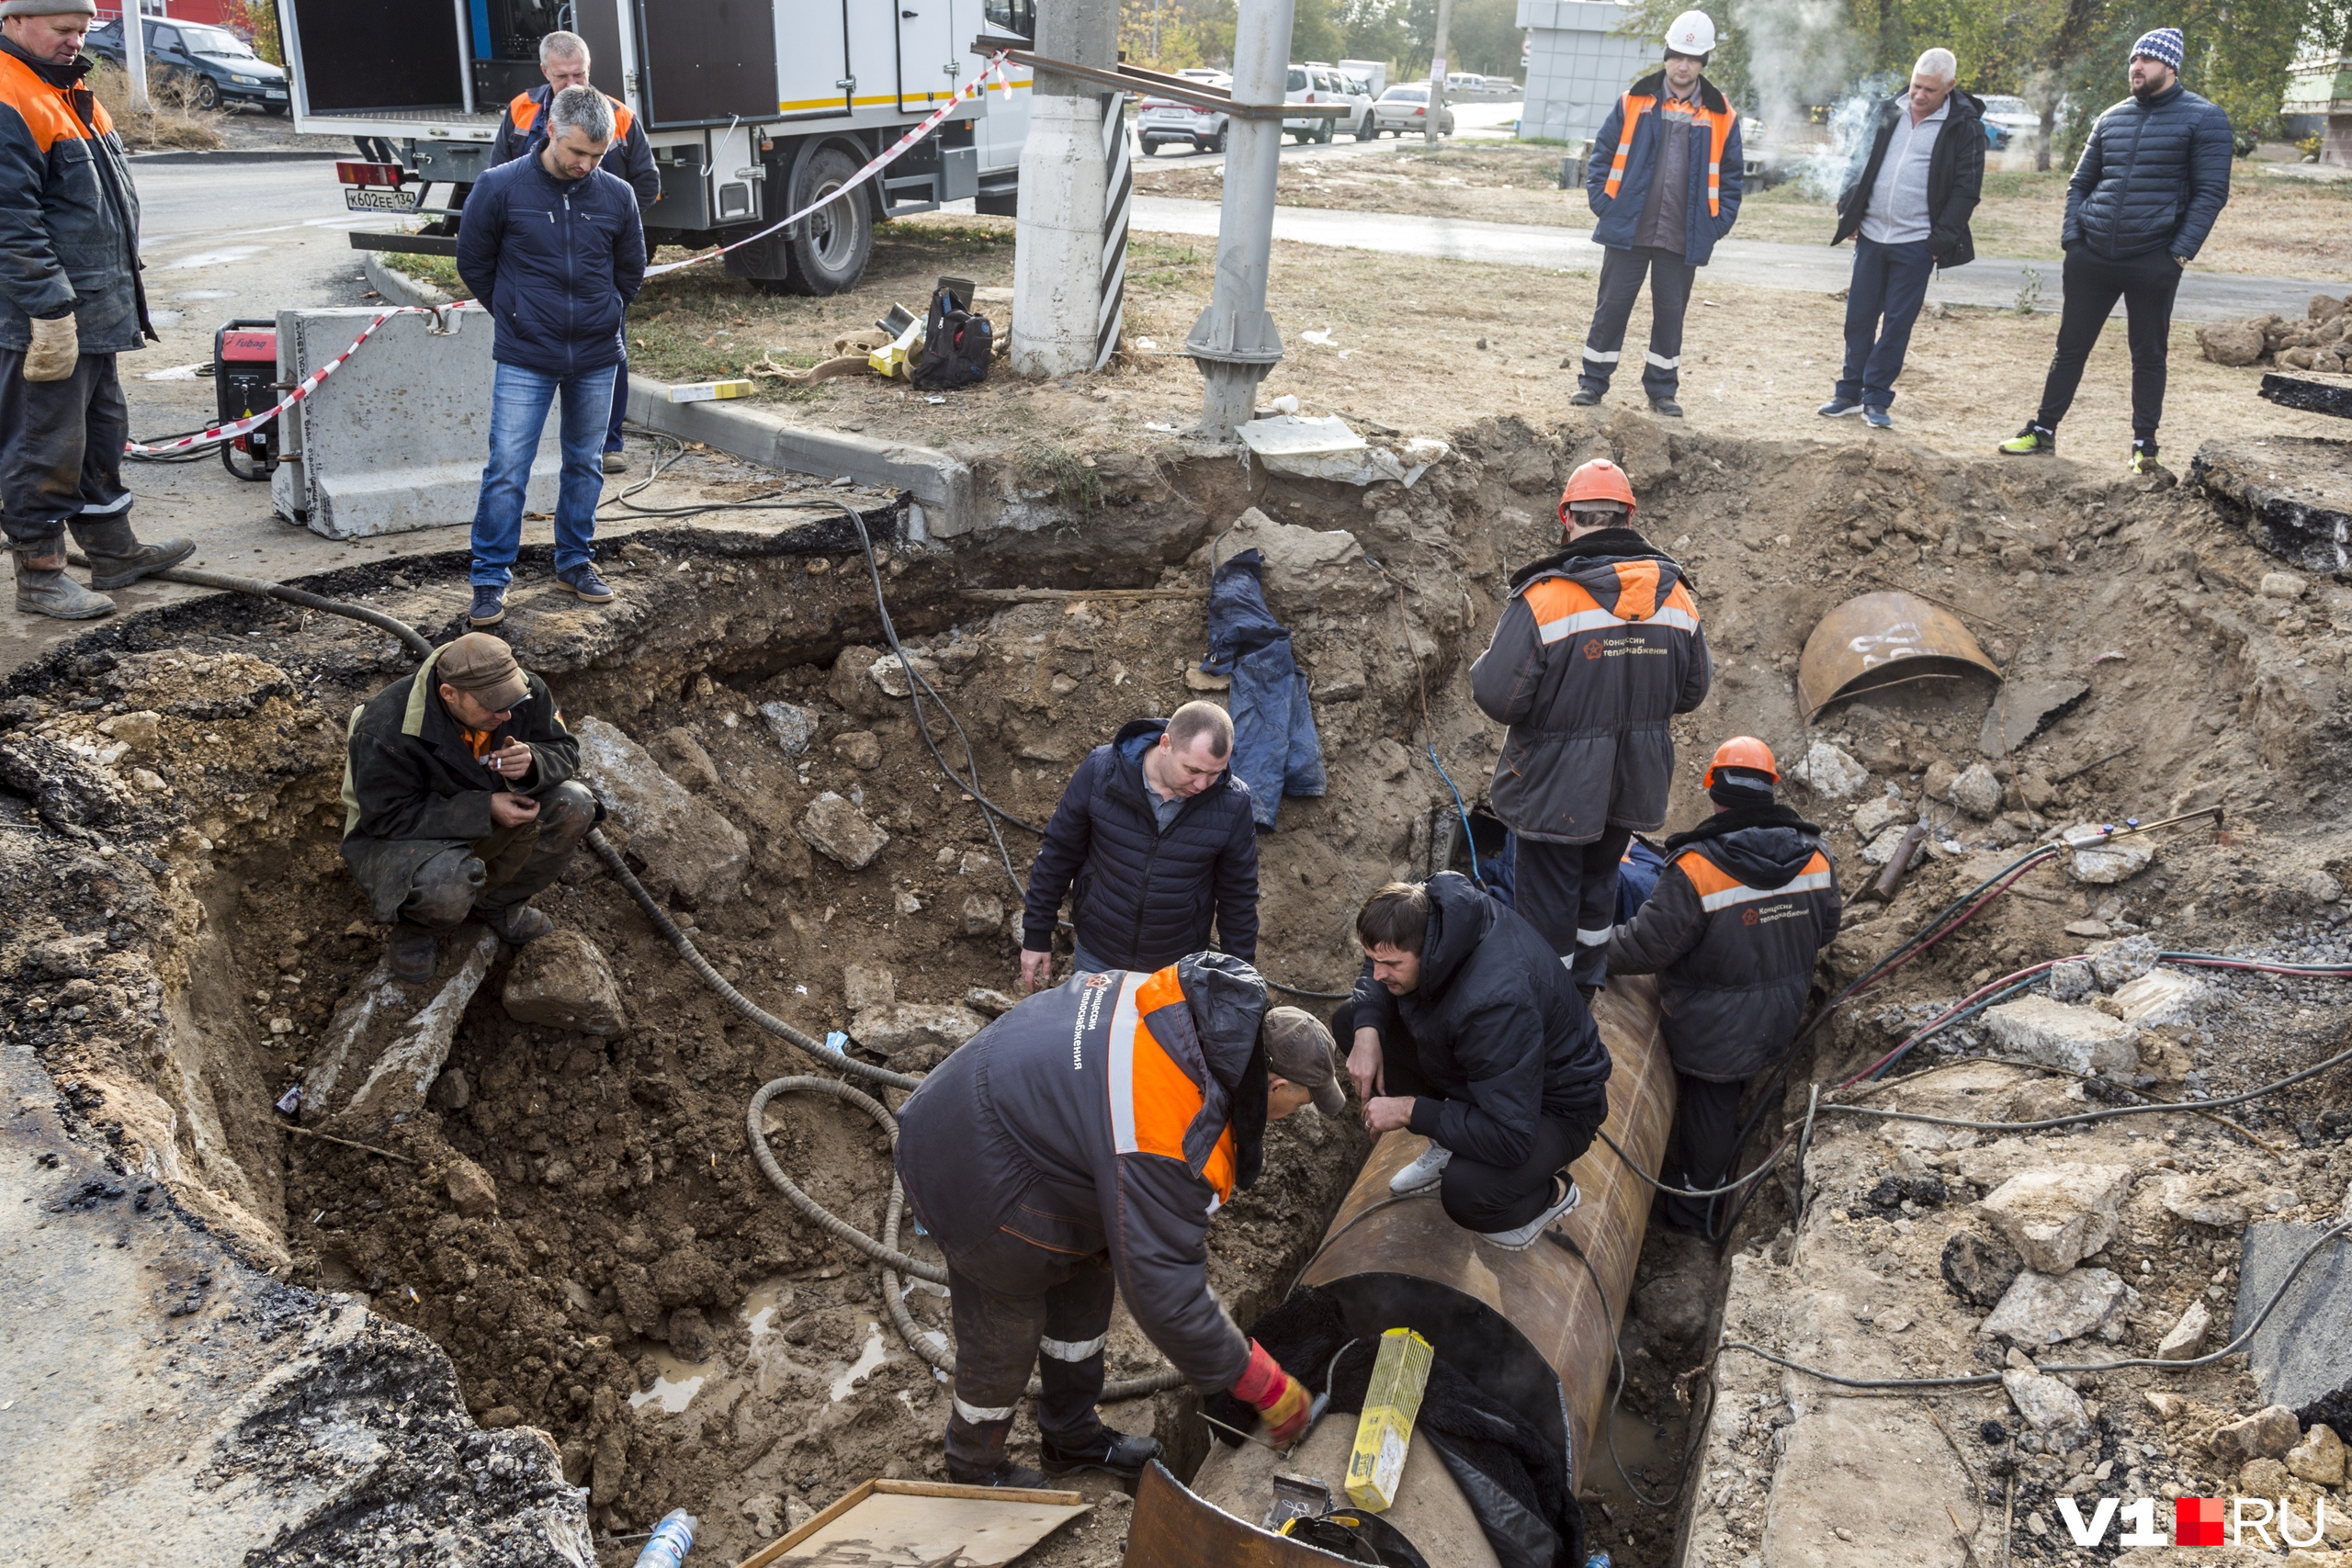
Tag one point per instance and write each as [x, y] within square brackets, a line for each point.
[219, 13]
[2319, 103]
[1577, 65]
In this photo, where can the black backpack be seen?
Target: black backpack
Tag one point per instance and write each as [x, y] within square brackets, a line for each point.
[956, 347]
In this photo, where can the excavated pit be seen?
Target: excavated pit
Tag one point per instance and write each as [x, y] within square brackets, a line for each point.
[575, 1221]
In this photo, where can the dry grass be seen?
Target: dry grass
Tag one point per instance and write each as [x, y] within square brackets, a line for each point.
[175, 125]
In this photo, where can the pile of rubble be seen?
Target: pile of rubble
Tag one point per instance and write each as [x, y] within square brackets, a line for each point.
[2316, 343]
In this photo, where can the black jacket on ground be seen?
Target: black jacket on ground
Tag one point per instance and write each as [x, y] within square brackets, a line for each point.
[1503, 1034]
[1747, 902]
[409, 773]
[1145, 899]
[1955, 176]
[2154, 176]
[554, 262]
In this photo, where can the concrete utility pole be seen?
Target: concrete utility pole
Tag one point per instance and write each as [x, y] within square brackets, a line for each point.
[1057, 250]
[1235, 342]
[134, 56]
[1437, 71]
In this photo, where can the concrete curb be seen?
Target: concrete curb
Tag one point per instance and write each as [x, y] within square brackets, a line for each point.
[237, 155]
[399, 286]
[946, 497]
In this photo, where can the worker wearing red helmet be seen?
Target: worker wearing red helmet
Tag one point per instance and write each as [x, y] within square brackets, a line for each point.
[1597, 651]
[1747, 900]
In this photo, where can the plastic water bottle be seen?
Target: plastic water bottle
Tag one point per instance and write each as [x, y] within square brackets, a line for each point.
[671, 1539]
[1598, 1559]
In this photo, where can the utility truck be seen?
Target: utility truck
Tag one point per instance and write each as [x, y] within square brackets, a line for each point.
[754, 108]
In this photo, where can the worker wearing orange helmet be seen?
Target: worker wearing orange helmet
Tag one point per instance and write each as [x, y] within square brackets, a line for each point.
[1597, 651]
[1747, 902]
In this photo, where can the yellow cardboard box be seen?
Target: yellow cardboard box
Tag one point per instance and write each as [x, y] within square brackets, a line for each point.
[1400, 1373]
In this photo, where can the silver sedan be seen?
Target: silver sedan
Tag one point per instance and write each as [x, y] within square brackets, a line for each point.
[1405, 108]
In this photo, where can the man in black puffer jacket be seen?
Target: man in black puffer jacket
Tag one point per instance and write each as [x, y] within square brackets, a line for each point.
[1156, 832]
[1746, 904]
[1466, 1029]
[2152, 178]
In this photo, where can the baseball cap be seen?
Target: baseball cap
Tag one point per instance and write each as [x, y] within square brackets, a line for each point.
[484, 669]
[1299, 1048]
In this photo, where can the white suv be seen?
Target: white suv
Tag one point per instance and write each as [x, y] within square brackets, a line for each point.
[1163, 122]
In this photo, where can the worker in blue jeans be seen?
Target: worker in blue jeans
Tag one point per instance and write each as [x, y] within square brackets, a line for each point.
[553, 247]
[1906, 206]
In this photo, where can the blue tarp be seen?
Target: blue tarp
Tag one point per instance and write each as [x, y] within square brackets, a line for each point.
[1275, 749]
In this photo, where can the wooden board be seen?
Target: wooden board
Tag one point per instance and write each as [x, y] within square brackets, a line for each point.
[921, 1524]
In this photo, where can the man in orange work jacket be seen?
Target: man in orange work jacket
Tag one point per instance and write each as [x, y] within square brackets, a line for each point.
[1076, 1149]
[1664, 179]
[1747, 900]
[563, 60]
[1597, 651]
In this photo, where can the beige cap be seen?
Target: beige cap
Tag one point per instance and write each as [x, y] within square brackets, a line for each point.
[51, 9]
[484, 669]
[1299, 1048]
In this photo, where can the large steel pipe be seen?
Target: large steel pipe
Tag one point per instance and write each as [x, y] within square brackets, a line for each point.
[1534, 1329]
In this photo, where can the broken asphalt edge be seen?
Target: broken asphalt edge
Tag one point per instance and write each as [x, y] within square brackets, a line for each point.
[945, 494]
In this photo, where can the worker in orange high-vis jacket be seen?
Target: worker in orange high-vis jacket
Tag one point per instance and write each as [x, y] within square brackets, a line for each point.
[1664, 179]
[1598, 649]
[1076, 1149]
[1747, 900]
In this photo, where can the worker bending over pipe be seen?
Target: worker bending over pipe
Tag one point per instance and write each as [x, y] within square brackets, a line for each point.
[1467, 1031]
[1597, 651]
[1074, 1149]
[1747, 900]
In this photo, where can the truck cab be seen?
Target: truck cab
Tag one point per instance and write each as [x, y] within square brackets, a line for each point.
[754, 110]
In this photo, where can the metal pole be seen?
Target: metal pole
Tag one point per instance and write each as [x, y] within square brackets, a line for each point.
[1437, 73]
[1058, 259]
[134, 56]
[466, 53]
[1234, 342]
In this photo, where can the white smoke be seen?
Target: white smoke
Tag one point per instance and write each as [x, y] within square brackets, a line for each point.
[1801, 54]
[1823, 173]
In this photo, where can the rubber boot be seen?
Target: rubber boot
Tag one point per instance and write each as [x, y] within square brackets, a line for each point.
[116, 557]
[43, 588]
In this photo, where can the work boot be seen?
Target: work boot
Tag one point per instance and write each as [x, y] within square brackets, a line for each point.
[116, 557]
[416, 952]
[1423, 1175]
[1113, 1452]
[1519, 1238]
[614, 463]
[516, 924]
[2033, 441]
[1666, 406]
[43, 588]
[1006, 1473]
[1583, 398]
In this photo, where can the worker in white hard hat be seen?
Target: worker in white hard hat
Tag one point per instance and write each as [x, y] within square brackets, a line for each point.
[1663, 199]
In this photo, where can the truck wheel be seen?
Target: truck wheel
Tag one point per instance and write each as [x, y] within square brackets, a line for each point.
[830, 253]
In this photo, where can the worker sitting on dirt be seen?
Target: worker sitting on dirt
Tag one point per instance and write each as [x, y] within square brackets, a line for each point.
[1156, 832]
[69, 302]
[523, 130]
[1747, 900]
[1598, 649]
[1074, 1149]
[458, 799]
[1466, 1031]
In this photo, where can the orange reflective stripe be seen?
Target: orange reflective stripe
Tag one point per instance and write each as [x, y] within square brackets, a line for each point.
[1634, 107]
[1636, 589]
[1165, 1100]
[1705, 875]
[1718, 135]
[47, 111]
[524, 112]
[1679, 598]
[622, 118]
[1818, 863]
[1159, 989]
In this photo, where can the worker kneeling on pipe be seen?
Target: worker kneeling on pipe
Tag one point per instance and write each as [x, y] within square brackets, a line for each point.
[1747, 902]
[1074, 1149]
[1468, 1031]
[459, 801]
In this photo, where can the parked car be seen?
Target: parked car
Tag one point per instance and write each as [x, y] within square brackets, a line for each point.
[1318, 85]
[1359, 99]
[1162, 122]
[2019, 121]
[1406, 107]
[212, 65]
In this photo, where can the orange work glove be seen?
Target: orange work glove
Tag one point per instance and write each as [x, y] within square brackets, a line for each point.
[1280, 1400]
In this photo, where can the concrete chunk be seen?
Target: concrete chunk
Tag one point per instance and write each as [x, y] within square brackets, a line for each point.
[2160, 998]
[561, 981]
[2058, 1035]
[2303, 1349]
[1977, 792]
[686, 846]
[1828, 771]
[2185, 1341]
[2268, 1433]
[2058, 1217]
[2040, 1309]
[2119, 963]
[2049, 1406]
[793, 727]
[387, 1040]
[2116, 859]
[840, 831]
[1875, 817]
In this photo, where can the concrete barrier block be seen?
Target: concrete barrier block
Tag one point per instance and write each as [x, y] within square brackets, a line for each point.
[396, 438]
[942, 485]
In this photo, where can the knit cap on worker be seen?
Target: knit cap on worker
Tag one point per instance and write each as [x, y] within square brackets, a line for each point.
[2164, 45]
[1299, 1048]
[48, 7]
[484, 669]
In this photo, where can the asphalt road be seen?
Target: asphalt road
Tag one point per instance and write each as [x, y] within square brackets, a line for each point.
[2204, 296]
